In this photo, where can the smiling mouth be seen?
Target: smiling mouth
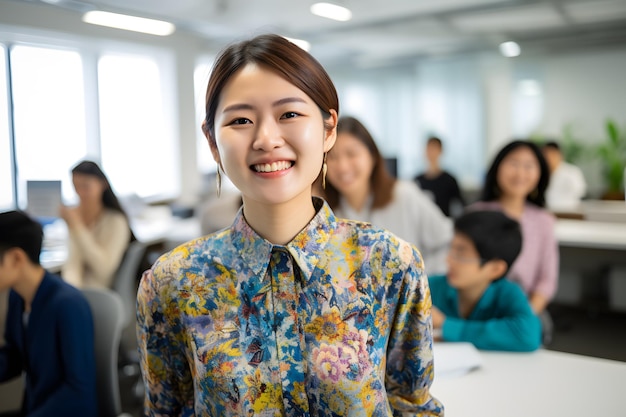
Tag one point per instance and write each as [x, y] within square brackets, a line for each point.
[273, 167]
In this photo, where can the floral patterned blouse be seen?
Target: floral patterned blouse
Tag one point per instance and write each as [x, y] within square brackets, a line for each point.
[335, 323]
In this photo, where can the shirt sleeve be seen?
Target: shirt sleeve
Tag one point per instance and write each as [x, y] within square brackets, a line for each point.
[435, 231]
[457, 191]
[516, 328]
[579, 186]
[77, 394]
[410, 371]
[549, 263]
[166, 375]
[10, 359]
[72, 271]
[102, 256]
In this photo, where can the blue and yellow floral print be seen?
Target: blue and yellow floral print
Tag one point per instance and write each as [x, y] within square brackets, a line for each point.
[335, 323]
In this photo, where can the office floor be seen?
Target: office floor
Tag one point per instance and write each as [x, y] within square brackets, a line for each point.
[585, 331]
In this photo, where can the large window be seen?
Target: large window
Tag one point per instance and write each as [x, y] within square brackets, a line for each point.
[48, 113]
[206, 164]
[60, 104]
[6, 171]
[139, 149]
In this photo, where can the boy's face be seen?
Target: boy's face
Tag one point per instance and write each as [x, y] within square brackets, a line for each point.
[465, 268]
[9, 269]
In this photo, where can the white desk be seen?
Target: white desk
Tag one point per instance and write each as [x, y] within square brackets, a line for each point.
[588, 234]
[538, 384]
[169, 231]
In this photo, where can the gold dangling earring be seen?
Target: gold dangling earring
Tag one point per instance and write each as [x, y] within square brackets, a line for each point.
[218, 181]
[324, 169]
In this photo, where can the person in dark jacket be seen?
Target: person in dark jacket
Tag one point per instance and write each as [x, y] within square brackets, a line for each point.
[49, 331]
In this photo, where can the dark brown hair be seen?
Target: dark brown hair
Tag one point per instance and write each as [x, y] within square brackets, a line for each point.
[381, 180]
[92, 169]
[276, 54]
[19, 230]
[109, 199]
[435, 140]
[491, 190]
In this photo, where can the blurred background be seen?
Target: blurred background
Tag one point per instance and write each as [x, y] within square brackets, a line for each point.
[476, 73]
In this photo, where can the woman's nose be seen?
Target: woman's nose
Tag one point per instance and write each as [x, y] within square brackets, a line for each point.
[268, 135]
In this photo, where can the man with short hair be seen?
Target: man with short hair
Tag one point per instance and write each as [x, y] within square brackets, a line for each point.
[439, 183]
[567, 184]
[49, 330]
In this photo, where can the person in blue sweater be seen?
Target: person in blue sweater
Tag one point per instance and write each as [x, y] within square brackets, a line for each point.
[474, 302]
[49, 333]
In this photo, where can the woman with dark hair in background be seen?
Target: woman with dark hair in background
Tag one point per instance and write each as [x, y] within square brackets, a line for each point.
[99, 232]
[359, 187]
[516, 184]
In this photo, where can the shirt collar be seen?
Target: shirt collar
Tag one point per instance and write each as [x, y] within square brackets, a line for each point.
[305, 248]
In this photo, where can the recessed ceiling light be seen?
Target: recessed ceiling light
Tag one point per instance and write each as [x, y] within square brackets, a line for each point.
[122, 21]
[300, 42]
[331, 11]
[510, 49]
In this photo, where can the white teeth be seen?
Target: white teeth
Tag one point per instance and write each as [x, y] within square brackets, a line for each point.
[274, 166]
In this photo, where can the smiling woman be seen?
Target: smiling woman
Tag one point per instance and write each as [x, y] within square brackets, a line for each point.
[290, 311]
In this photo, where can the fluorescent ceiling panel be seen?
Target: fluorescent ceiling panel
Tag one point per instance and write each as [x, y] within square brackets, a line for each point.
[596, 11]
[126, 22]
[518, 19]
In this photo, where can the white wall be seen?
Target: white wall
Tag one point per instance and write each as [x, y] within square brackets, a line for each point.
[585, 89]
[581, 90]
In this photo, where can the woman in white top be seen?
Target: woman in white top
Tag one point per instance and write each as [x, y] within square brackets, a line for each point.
[99, 232]
[359, 187]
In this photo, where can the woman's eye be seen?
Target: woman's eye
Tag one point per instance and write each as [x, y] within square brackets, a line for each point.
[240, 121]
[290, 115]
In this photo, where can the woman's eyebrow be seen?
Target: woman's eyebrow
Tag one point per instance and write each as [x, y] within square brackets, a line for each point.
[238, 106]
[288, 100]
[245, 106]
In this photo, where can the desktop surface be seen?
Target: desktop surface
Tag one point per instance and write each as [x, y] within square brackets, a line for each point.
[541, 383]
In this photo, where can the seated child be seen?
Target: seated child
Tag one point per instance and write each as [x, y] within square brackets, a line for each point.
[473, 303]
[49, 329]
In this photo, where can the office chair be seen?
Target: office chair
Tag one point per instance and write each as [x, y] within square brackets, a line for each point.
[108, 317]
[126, 279]
[125, 284]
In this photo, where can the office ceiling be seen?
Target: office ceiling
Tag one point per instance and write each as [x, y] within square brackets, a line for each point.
[389, 31]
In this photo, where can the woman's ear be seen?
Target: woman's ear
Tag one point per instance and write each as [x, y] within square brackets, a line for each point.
[330, 125]
[212, 144]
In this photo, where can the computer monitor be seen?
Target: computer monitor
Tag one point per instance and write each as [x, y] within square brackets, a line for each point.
[43, 199]
[392, 166]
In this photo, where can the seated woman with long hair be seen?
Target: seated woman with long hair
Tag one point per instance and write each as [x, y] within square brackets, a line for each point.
[99, 232]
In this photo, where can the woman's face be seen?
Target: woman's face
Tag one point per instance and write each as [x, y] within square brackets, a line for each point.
[270, 136]
[519, 173]
[350, 165]
[89, 188]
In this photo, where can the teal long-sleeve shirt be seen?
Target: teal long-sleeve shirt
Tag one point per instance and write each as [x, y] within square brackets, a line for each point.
[501, 320]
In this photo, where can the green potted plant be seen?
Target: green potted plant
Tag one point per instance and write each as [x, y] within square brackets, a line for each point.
[612, 153]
